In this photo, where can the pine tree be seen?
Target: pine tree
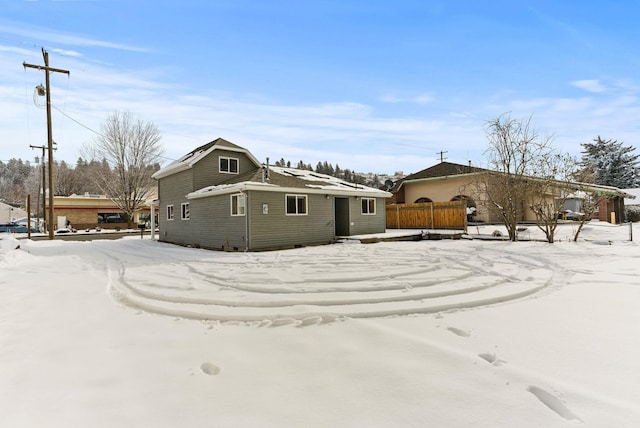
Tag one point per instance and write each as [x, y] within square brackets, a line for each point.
[612, 163]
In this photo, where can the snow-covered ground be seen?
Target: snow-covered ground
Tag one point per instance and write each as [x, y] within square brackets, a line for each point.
[450, 333]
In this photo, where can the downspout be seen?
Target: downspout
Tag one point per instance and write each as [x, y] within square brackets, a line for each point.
[153, 219]
[246, 221]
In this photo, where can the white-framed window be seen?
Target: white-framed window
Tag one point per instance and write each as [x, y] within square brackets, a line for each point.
[238, 204]
[228, 165]
[296, 204]
[169, 212]
[185, 214]
[368, 206]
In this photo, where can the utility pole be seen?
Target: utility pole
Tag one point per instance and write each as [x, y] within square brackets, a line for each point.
[441, 153]
[44, 191]
[48, 70]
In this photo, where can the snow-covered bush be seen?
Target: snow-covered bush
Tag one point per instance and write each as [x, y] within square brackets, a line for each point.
[632, 213]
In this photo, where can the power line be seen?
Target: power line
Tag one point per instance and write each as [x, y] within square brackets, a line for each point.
[78, 122]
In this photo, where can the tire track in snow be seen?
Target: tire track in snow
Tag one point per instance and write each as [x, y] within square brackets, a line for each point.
[306, 286]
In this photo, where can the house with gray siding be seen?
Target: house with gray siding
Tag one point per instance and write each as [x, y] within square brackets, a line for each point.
[219, 196]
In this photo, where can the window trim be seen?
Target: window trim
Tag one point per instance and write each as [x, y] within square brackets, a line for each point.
[368, 211]
[170, 213]
[297, 197]
[185, 214]
[238, 196]
[228, 159]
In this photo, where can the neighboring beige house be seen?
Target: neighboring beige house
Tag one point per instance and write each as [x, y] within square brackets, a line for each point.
[448, 181]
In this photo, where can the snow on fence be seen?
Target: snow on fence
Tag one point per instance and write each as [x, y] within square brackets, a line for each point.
[431, 215]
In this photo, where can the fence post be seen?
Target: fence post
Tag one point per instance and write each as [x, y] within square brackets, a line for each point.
[432, 219]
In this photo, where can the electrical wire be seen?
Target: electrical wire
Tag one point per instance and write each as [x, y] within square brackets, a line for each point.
[26, 103]
[77, 122]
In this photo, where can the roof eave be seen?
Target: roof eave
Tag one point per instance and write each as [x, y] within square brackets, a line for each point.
[180, 166]
[441, 178]
[265, 187]
[170, 170]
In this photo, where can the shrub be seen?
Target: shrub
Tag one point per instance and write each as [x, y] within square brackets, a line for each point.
[632, 213]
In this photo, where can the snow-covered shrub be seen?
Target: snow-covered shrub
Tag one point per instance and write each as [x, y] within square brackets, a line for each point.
[632, 213]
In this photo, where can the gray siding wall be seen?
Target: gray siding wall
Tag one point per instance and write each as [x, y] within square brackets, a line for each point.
[210, 224]
[365, 224]
[278, 230]
[172, 190]
[207, 171]
[215, 228]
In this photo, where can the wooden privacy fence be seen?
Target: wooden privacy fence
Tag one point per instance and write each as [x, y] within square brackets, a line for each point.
[428, 215]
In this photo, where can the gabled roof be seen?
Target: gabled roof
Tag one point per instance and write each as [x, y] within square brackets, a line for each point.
[448, 169]
[280, 179]
[187, 161]
[439, 171]
[444, 169]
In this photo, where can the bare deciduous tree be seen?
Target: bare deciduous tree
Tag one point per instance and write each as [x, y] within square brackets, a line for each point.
[513, 148]
[591, 198]
[132, 150]
[550, 186]
[526, 173]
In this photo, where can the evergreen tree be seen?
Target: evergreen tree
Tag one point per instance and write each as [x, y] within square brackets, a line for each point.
[612, 163]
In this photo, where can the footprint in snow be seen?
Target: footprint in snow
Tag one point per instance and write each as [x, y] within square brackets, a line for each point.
[492, 359]
[459, 332]
[209, 369]
[553, 402]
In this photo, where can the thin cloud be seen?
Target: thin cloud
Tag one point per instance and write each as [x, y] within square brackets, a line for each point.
[66, 52]
[590, 85]
[416, 99]
[28, 32]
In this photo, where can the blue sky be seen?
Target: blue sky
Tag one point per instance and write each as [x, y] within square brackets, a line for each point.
[370, 85]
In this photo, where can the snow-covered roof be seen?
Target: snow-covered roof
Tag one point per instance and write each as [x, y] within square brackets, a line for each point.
[632, 201]
[293, 180]
[187, 161]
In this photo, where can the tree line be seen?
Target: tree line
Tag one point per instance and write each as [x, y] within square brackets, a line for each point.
[118, 163]
[18, 178]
